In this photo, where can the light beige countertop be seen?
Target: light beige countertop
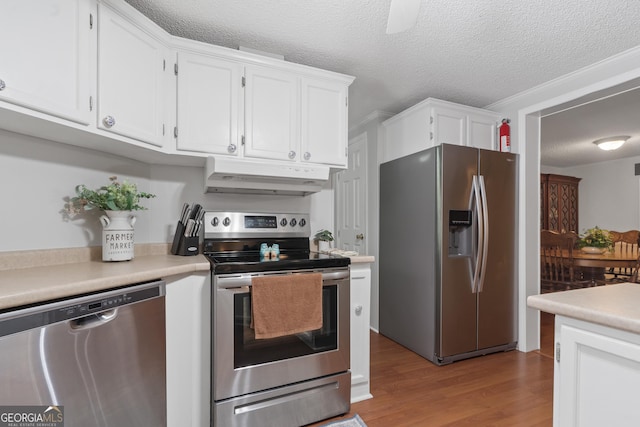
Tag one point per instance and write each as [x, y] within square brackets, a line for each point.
[615, 306]
[23, 283]
[28, 277]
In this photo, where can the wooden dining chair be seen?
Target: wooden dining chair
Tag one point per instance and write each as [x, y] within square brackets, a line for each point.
[557, 267]
[625, 243]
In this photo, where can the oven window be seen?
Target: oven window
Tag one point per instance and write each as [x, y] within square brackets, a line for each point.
[249, 351]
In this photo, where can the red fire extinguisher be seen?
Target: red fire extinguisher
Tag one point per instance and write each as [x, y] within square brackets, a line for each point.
[505, 136]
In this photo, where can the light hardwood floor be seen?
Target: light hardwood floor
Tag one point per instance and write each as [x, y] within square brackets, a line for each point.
[502, 389]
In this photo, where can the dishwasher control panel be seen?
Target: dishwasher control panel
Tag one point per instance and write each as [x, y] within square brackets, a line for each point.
[79, 310]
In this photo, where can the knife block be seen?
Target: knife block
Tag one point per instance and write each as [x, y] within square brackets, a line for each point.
[184, 246]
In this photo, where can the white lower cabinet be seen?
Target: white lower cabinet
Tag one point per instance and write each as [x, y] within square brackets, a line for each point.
[596, 375]
[188, 314]
[360, 341]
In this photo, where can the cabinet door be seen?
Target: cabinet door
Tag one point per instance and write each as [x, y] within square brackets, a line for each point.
[449, 126]
[45, 53]
[360, 340]
[208, 104]
[131, 67]
[481, 131]
[324, 122]
[272, 114]
[596, 375]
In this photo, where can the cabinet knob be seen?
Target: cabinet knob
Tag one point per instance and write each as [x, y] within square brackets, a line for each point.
[358, 310]
[360, 236]
[232, 148]
[2, 84]
[292, 154]
[109, 121]
[307, 155]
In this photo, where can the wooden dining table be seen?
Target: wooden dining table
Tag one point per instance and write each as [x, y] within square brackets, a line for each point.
[593, 266]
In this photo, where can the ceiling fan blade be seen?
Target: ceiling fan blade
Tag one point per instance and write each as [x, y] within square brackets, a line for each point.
[403, 15]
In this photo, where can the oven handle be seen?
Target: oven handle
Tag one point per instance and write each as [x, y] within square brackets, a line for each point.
[244, 280]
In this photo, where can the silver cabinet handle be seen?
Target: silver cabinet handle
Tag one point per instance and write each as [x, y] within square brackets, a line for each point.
[109, 121]
[2, 84]
[292, 154]
[231, 148]
[358, 310]
[307, 155]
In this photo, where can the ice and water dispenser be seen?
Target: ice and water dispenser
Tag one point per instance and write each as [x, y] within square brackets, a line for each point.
[460, 233]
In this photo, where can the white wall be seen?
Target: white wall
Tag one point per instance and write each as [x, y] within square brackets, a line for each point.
[37, 175]
[608, 194]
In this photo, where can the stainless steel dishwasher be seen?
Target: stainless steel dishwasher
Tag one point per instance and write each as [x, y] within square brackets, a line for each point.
[99, 357]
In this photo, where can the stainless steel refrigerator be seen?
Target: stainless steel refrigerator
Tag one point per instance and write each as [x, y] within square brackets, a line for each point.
[448, 252]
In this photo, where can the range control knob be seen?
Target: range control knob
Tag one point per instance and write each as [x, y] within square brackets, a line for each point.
[293, 222]
[302, 222]
[226, 222]
[215, 221]
[283, 222]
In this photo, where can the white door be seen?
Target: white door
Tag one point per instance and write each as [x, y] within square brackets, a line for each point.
[324, 122]
[209, 105]
[51, 73]
[272, 114]
[351, 198]
[131, 66]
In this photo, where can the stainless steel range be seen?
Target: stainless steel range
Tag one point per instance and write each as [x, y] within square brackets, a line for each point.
[286, 380]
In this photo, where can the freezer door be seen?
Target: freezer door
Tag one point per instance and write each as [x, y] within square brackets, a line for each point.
[457, 316]
[497, 299]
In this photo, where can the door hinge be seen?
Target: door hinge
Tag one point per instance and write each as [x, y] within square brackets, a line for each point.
[163, 129]
[242, 140]
[164, 64]
[175, 131]
[244, 81]
[91, 21]
[91, 103]
[346, 101]
[558, 352]
[175, 68]
[346, 151]
[430, 120]
[431, 135]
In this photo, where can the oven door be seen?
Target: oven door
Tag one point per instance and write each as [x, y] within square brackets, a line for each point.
[242, 364]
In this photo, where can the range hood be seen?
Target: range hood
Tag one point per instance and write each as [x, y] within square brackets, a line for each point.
[233, 175]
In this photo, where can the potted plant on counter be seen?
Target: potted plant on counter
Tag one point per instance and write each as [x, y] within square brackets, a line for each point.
[595, 240]
[117, 200]
[323, 237]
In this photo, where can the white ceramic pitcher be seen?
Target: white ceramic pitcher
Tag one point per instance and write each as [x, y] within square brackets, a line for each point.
[117, 235]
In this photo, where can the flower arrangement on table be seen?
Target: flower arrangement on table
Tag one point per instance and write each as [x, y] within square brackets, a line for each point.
[113, 197]
[595, 238]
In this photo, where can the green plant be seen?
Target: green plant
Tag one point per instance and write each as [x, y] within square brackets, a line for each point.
[324, 236]
[595, 237]
[113, 197]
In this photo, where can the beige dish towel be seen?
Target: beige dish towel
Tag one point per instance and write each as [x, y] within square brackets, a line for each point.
[287, 304]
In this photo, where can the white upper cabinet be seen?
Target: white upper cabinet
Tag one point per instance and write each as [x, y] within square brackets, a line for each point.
[272, 114]
[324, 122]
[131, 71]
[433, 122]
[45, 56]
[209, 104]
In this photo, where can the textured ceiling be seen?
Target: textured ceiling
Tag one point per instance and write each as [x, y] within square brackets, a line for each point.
[474, 52]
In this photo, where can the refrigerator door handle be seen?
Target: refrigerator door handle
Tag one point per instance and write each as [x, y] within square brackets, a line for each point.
[485, 234]
[475, 194]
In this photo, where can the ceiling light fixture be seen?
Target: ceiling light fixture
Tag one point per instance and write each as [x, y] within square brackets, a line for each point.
[611, 143]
